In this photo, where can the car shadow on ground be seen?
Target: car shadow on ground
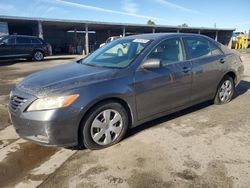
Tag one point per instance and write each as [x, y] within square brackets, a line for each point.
[242, 88]
[14, 61]
[166, 118]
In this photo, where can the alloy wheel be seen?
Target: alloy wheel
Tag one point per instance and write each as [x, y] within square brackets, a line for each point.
[225, 91]
[106, 127]
[38, 56]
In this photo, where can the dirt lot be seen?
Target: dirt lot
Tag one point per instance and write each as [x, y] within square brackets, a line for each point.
[203, 146]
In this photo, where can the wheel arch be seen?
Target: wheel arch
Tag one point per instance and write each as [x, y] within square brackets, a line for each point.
[111, 99]
[38, 49]
[232, 74]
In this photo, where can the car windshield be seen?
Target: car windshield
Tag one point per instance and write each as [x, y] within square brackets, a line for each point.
[117, 54]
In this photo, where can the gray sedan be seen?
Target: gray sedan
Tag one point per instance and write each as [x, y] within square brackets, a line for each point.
[93, 101]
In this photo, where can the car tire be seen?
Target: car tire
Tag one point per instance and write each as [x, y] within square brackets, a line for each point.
[225, 91]
[105, 125]
[38, 55]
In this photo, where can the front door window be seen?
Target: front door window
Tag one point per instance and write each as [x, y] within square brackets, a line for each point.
[168, 51]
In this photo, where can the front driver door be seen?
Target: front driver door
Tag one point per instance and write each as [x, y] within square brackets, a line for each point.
[165, 88]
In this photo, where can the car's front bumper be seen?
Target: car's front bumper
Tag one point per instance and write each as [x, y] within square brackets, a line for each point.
[54, 133]
[58, 127]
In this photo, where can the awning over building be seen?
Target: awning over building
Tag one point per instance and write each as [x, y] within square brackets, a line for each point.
[88, 35]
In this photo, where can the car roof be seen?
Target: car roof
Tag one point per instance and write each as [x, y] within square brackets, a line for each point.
[156, 36]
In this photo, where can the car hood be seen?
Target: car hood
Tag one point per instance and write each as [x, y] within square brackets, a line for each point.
[64, 77]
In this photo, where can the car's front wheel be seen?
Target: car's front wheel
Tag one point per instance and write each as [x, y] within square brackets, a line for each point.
[225, 91]
[38, 56]
[105, 125]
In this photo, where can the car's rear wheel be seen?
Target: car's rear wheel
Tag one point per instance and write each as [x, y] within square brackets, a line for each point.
[38, 56]
[105, 125]
[225, 91]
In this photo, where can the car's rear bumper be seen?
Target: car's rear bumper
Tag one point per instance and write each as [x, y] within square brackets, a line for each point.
[48, 53]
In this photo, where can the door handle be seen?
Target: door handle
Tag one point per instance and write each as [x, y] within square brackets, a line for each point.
[186, 69]
[222, 60]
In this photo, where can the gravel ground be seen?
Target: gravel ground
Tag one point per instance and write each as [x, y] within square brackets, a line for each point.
[202, 146]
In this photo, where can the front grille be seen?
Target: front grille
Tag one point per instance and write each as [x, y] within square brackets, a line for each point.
[16, 102]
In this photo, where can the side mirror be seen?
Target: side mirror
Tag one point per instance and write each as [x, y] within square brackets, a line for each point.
[152, 64]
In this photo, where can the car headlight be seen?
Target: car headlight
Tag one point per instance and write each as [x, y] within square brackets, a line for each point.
[48, 103]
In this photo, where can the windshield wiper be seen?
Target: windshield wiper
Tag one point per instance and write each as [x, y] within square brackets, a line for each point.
[92, 65]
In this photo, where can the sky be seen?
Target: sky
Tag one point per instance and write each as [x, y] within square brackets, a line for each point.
[195, 13]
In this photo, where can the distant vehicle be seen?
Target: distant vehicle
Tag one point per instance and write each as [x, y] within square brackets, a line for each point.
[240, 40]
[236, 34]
[95, 100]
[20, 46]
[110, 39]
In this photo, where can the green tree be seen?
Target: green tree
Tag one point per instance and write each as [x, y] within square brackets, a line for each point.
[150, 22]
[184, 25]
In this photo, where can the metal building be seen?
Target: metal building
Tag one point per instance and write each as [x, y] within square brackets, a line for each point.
[73, 36]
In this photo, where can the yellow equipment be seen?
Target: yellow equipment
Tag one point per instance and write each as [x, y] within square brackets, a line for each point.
[242, 41]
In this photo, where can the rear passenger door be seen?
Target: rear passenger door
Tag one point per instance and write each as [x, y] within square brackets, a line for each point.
[24, 46]
[207, 60]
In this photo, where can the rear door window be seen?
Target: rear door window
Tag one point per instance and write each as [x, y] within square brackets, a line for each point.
[23, 40]
[197, 47]
[215, 50]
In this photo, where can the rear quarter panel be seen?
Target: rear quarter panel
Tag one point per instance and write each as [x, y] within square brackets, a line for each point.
[232, 64]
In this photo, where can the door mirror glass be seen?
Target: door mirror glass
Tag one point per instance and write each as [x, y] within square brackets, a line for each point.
[152, 64]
